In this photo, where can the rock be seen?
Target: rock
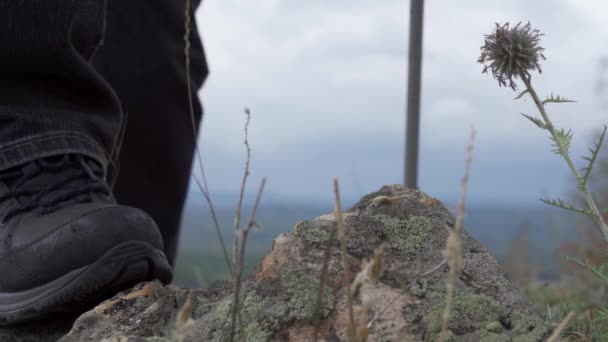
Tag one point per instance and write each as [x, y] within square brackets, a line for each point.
[280, 297]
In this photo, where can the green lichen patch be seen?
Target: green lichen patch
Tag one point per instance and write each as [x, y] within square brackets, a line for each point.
[419, 288]
[408, 234]
[303, 292]
[223, 310]
[470, 313]
[495, 337]
[494, 327]
[253, 304]
[315, 235]
[267, 313]
[256, 333]
[481, 316]
[222, 318]
[526, 328]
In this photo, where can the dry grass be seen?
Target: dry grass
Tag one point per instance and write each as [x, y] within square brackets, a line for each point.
[238, 274]
[453, 245]
[561, 327]
[366, 279]
[240, 235]
[202, 183]
[350, 330]
[236, 263]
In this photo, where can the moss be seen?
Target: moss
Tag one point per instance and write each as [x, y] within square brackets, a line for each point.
[315, 235]
[303, 291]
[408, 234]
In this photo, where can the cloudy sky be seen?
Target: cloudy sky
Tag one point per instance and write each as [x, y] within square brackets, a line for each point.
[326, 84]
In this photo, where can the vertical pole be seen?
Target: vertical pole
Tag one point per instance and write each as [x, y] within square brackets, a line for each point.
[413, 94]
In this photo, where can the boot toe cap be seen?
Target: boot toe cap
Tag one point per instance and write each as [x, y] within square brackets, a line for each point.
[40, 252]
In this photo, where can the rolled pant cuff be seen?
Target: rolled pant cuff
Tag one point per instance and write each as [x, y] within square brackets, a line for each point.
[47, 145]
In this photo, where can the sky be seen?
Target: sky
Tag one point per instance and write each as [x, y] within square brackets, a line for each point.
[326, 85]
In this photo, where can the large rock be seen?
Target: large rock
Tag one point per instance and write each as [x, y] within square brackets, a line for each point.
[280, 297]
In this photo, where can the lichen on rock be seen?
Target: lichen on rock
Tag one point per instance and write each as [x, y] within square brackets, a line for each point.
[303, 290]
[479, 317]
[407, 234]
[314, 235]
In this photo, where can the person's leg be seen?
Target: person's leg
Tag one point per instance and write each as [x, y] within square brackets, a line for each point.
[51, 99]
[64, 241]
[143, 60]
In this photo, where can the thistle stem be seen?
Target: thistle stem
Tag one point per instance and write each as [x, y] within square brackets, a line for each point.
[564, 152]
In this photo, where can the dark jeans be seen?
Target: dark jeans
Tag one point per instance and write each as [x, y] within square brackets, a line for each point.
[72, 70]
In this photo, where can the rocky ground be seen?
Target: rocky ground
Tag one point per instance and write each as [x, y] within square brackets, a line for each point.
[280, 297]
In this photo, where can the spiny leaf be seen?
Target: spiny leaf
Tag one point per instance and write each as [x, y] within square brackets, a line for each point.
[557, 99]
[582, 182]
[598, 270]
[602, 314]
[561, 204]
[562, 138]
[538, 122]
[520, 95]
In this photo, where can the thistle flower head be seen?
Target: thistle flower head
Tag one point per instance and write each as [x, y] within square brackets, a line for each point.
[511, 53]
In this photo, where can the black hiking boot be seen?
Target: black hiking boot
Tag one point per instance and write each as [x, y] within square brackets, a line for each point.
[64, 242]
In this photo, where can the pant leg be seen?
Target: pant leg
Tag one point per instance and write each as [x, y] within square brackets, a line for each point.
[143, 60]
[52, 100]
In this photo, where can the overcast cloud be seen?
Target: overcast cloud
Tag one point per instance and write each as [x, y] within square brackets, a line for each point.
[326, 83]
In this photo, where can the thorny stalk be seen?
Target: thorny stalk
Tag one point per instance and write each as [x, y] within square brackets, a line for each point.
[454, 248]
[203, 186]
[566, 155]
[350, 329]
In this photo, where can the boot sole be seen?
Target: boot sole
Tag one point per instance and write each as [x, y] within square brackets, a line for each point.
[120, 268]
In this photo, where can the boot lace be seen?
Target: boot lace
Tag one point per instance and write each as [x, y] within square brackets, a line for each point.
[76, 186]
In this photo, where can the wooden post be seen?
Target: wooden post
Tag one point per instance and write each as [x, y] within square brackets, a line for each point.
[412, 135]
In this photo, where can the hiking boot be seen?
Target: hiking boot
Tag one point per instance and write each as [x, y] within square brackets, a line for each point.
[64, 242]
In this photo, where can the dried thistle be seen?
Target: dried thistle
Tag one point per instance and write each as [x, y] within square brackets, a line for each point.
[511, 53]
